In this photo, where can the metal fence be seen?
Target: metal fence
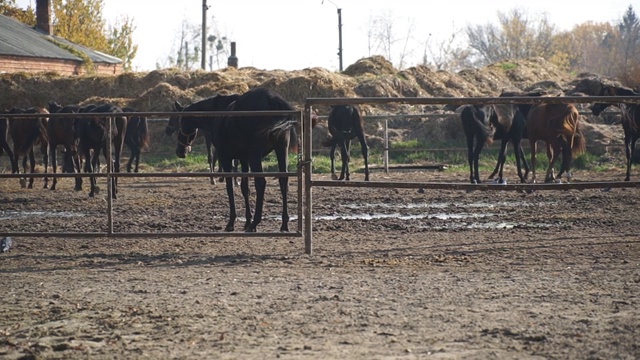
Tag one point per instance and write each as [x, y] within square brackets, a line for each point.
[304, 170]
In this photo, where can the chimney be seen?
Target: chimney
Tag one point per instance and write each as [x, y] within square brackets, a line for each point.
[233, 59]
[43, 16]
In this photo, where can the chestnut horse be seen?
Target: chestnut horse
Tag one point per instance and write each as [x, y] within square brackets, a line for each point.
[558, 126]
[345, 123]
[630, 118]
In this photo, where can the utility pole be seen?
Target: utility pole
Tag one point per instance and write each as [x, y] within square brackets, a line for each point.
[340, 37]
[203, 63]
[339, 32]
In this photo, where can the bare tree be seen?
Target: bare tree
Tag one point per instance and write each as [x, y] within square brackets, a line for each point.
[383, 39]
[516, 37]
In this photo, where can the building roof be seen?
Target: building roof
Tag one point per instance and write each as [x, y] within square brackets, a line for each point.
[18, 39]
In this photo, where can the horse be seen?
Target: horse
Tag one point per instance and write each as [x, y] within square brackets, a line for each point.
[93, 133]
[174, 125]
[558, 126]
[478, 132]
[4, 143]
[136, 138]
[248, 139]
[345, 124]
[630, 118]
[510, 124]
[62, 131]
[26, 133]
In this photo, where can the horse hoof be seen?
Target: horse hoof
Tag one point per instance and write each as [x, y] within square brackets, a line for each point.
[97, 190]
[334, 177]
[23, 183]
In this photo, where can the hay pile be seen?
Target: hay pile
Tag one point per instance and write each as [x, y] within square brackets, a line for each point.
[368, 77]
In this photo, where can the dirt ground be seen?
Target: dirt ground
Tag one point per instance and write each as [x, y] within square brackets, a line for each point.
[395, 273]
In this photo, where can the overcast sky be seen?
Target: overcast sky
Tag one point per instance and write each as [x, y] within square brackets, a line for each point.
[297, 34]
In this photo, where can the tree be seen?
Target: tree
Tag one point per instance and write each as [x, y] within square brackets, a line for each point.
[382, 38]
[516, 37]
[10, 9]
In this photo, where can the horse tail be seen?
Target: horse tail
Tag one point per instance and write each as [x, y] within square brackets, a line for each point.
[39, 131]
[571, 127]
[293, 140]
[578, 143]
[472, 119]
[329, 141]
[143, 132]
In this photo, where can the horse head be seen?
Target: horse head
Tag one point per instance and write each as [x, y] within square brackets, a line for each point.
[174, 120]
[186, 134]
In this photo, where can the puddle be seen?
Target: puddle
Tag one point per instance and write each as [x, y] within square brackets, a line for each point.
[11, 214]
[439, 216]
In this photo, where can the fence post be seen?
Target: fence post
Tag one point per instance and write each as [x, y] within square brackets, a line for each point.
[386, 147]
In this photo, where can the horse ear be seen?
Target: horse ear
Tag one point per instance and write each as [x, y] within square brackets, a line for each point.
[178, 106]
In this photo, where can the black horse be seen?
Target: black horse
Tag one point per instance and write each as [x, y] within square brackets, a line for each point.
[630, 118]
[136, 138]
[511, 127]
[62, 131]
[345, 124]
[478, 132]
[174, 125]
[26, 133]
[4, 143]
[248, 139]
[94, 138]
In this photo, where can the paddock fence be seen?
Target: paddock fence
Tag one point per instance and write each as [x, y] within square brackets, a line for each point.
[310, 182]
[304, 170]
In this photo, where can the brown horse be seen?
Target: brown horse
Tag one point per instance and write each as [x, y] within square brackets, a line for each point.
[26, 133]
[558, 126]
[630, 118]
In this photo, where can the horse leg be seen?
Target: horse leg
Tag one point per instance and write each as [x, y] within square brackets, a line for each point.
[365, 155]
[226, 165]
[552, 155]
[567, 160]
[633, 147]
[283, 160]
[345, 148]
[517, 150]
[44, 150]
[77, 166]
[244, 188]
[90, 166]
[332, 157]
[628, 151]
[54, 164]
[471, 159]
[260, 184]
[524, 162]
[236, 162]
[212, 157]
[502, 158]
[533, 148]
[32, 166]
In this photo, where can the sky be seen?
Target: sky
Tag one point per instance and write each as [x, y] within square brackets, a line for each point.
[299, 34]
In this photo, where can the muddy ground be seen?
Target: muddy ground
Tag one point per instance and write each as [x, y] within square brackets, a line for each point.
[394, 274]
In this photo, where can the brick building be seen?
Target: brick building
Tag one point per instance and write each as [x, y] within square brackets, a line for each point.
[35, 49]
